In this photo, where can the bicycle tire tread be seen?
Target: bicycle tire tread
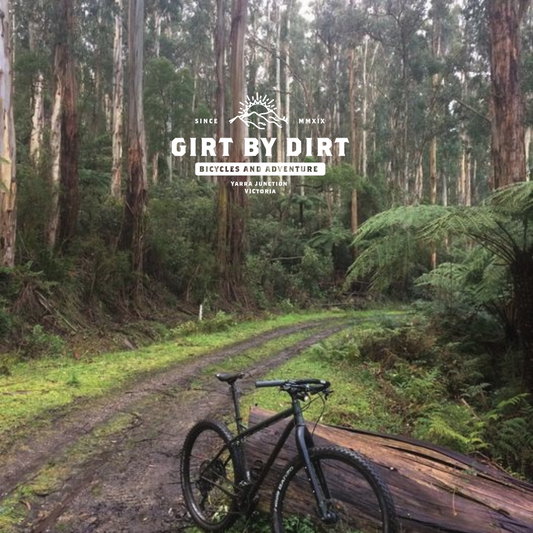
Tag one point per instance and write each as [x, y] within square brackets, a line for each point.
[359, 462]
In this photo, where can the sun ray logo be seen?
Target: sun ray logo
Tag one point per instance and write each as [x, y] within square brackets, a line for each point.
[259, 120]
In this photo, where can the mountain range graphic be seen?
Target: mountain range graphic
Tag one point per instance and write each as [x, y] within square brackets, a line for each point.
[260, 120]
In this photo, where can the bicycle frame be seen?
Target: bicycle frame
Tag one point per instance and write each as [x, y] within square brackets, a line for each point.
[304, 441]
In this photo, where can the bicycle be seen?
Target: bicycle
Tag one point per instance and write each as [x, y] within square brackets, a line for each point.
[310, 495]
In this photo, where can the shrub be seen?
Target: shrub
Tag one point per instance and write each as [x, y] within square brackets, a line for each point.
[40, 343]
[220, 322]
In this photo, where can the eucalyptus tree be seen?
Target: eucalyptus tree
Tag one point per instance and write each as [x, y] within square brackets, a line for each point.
[64, 144]
[8, 184]
[232, 203]
[117, 105]
[507, 102]
[133, 231]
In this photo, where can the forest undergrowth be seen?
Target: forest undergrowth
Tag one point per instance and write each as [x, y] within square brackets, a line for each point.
[413, 378]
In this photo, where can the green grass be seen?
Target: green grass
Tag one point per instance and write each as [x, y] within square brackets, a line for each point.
[36, 386]
[357, 400]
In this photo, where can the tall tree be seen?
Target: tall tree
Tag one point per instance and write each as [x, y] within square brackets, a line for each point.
[507, 103]
[8, 184]
[64, 134]
[37, 100]
[220, 94]
[117, 104]
[353, 128]
[133, 229]
[232, 203]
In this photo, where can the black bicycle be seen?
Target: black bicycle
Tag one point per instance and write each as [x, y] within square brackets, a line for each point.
[322, 489]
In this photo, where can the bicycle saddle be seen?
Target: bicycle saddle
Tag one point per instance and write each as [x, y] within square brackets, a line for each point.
[230, 377]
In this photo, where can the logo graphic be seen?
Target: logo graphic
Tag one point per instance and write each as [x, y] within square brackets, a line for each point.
[259, 120]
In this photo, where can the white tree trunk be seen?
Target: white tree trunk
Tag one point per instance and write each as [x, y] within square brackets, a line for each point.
[118, 103]
[279, 142]
[288, 82]
[8, 184]
[37, 118]
[364, 156]
[527, 143]
[55, 154]
[133, 229]
[158, 19]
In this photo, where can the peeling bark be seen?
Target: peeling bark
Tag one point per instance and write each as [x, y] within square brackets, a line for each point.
[37, 118]
[118, 97]
[37, 99]
[354, 217]
[55, 154]
[64, 137]
[8, 183]
[133, 230]
[232, 203]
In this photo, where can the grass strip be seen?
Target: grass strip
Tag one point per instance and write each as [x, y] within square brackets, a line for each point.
[36, 386]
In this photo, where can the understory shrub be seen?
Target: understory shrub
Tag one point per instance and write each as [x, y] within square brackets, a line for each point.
[443, 392]
[41, 343]
[220, 322]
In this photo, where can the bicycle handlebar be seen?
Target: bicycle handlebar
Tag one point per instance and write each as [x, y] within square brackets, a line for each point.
[275, 383]
[294, 386]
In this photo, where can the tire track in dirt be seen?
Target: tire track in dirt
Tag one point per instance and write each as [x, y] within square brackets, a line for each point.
[21, 459]
[133, 486]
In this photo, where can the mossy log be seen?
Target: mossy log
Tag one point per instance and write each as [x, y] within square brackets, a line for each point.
[434, 489]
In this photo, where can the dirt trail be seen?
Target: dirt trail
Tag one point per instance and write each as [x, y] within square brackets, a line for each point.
[131, 484]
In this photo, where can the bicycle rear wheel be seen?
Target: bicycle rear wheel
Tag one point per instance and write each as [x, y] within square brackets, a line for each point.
[357, 498]
[210, 475]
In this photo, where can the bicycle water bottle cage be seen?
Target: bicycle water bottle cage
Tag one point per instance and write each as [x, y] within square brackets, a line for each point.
[230, 378]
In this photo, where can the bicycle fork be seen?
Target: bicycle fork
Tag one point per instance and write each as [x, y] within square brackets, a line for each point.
[315, 476]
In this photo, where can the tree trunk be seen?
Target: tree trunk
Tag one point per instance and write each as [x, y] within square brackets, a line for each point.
[158, 21]
[434, 489]
[37, 118]
[433, 143]
[64, 136]
[69, 194]
[220, 96]
[468, 173]
[522, 275]
[280, 141]
[8, 184]
[364, 156]
[133, 229]
[527, 146]
[419, 177]
[232, 201]
[55, 155]
[288, 80]
[507, 116]
[353, 140]
[118, 103]
[155, 168]
[37, 101]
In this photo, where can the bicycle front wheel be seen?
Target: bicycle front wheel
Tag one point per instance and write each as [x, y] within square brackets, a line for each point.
[356, 498]
[210, 475]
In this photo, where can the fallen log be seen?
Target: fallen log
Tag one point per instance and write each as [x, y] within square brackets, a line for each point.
[434, 489]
